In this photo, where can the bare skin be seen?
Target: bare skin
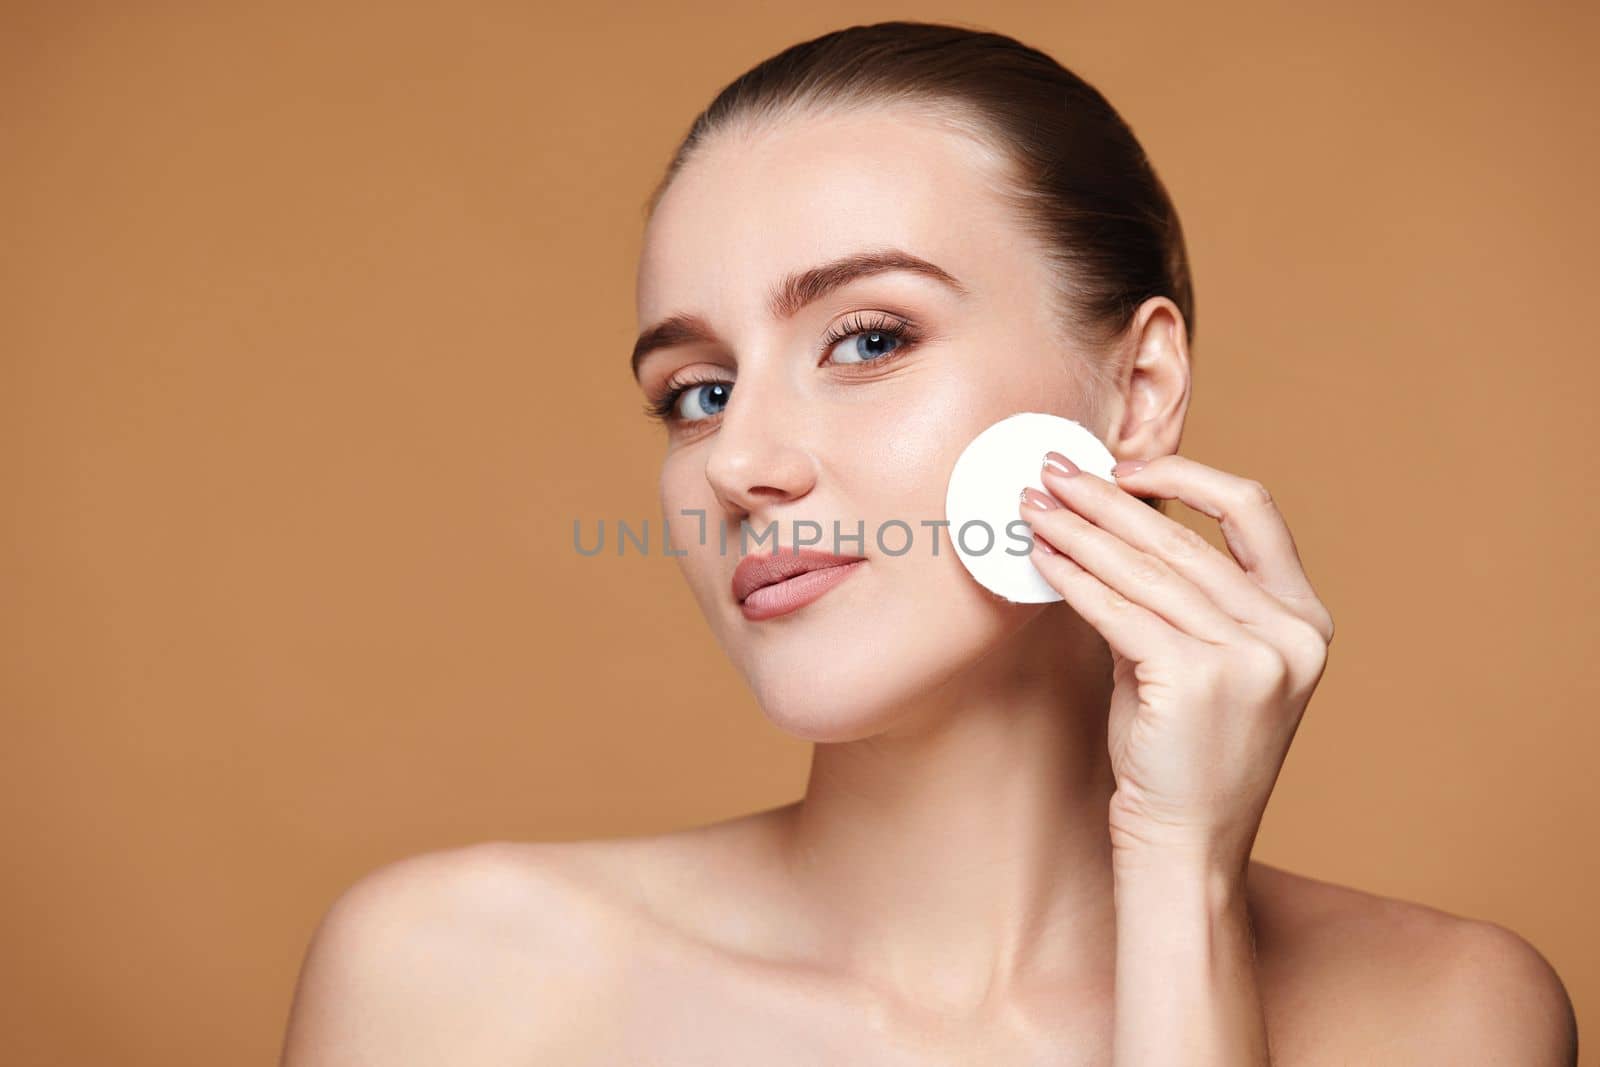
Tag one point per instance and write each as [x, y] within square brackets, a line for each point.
[1026, 835]
[680, 948]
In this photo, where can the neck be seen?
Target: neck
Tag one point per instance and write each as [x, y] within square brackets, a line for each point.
[964, 855]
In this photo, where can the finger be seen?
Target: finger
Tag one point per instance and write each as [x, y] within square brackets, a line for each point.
[1132, 631]
[1254, 529]
[1136, 575]
[1120, 512]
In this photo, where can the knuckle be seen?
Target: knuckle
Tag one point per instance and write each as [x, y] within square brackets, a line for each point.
[1264, 663]
[1307, 644]
[1254, 494]
[1181, 542]
[1150, 571]
[1325, 625]
[1115, 601]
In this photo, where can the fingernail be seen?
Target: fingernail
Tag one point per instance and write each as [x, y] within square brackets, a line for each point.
[1128, 466]
[1032, 498]
[1044, 546]
[1056, 463]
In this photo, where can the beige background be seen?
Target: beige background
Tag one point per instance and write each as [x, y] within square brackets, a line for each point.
[315, 323]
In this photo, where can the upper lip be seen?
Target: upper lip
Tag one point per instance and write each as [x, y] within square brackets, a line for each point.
[753, 572]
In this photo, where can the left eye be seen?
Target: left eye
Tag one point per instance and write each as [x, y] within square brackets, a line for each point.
[865, 346]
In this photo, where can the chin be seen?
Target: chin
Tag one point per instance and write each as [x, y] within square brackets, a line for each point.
[851, 696]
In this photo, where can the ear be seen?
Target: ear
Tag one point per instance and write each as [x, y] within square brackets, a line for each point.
[1151, 393]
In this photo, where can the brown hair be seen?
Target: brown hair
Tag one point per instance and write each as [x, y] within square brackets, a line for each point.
[1078, 177]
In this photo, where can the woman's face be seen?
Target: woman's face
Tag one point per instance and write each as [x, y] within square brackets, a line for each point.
[824, 419]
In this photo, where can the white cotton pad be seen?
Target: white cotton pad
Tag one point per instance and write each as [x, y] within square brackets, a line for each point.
[986, 486]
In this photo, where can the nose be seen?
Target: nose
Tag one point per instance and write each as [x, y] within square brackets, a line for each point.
[757, 459]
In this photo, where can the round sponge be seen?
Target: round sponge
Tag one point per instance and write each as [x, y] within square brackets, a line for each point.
[985, 491]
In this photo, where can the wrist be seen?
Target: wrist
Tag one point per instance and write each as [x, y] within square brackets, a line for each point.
[1193, 846]
[1195, 871]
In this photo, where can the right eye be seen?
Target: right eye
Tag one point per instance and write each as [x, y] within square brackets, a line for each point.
[703, 401]
[693, 401]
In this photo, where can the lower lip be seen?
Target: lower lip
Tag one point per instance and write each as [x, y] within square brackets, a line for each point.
[783, 597]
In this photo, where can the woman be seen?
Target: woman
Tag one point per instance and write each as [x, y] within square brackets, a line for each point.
[1027, 829]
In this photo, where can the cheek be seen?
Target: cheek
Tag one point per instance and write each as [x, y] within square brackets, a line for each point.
[676, 486]
[683, 488]
[906, 448]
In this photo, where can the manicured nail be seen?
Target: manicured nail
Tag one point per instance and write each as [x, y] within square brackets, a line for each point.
[1032, 498]
[1128, 466]
[1056, 463]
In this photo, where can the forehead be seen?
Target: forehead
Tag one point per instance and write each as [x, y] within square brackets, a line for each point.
[754, 204]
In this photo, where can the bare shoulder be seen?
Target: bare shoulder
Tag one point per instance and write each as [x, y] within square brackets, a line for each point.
[460, 955]
[1352, 977]
[500, 950]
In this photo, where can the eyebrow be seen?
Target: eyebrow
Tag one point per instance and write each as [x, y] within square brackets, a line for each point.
[792, 294]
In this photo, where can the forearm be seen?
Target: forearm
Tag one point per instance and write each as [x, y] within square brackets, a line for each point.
[1186, 987]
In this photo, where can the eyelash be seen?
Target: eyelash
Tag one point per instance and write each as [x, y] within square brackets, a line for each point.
[900, 329]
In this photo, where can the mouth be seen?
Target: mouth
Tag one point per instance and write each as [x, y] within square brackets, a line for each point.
[765, 587]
